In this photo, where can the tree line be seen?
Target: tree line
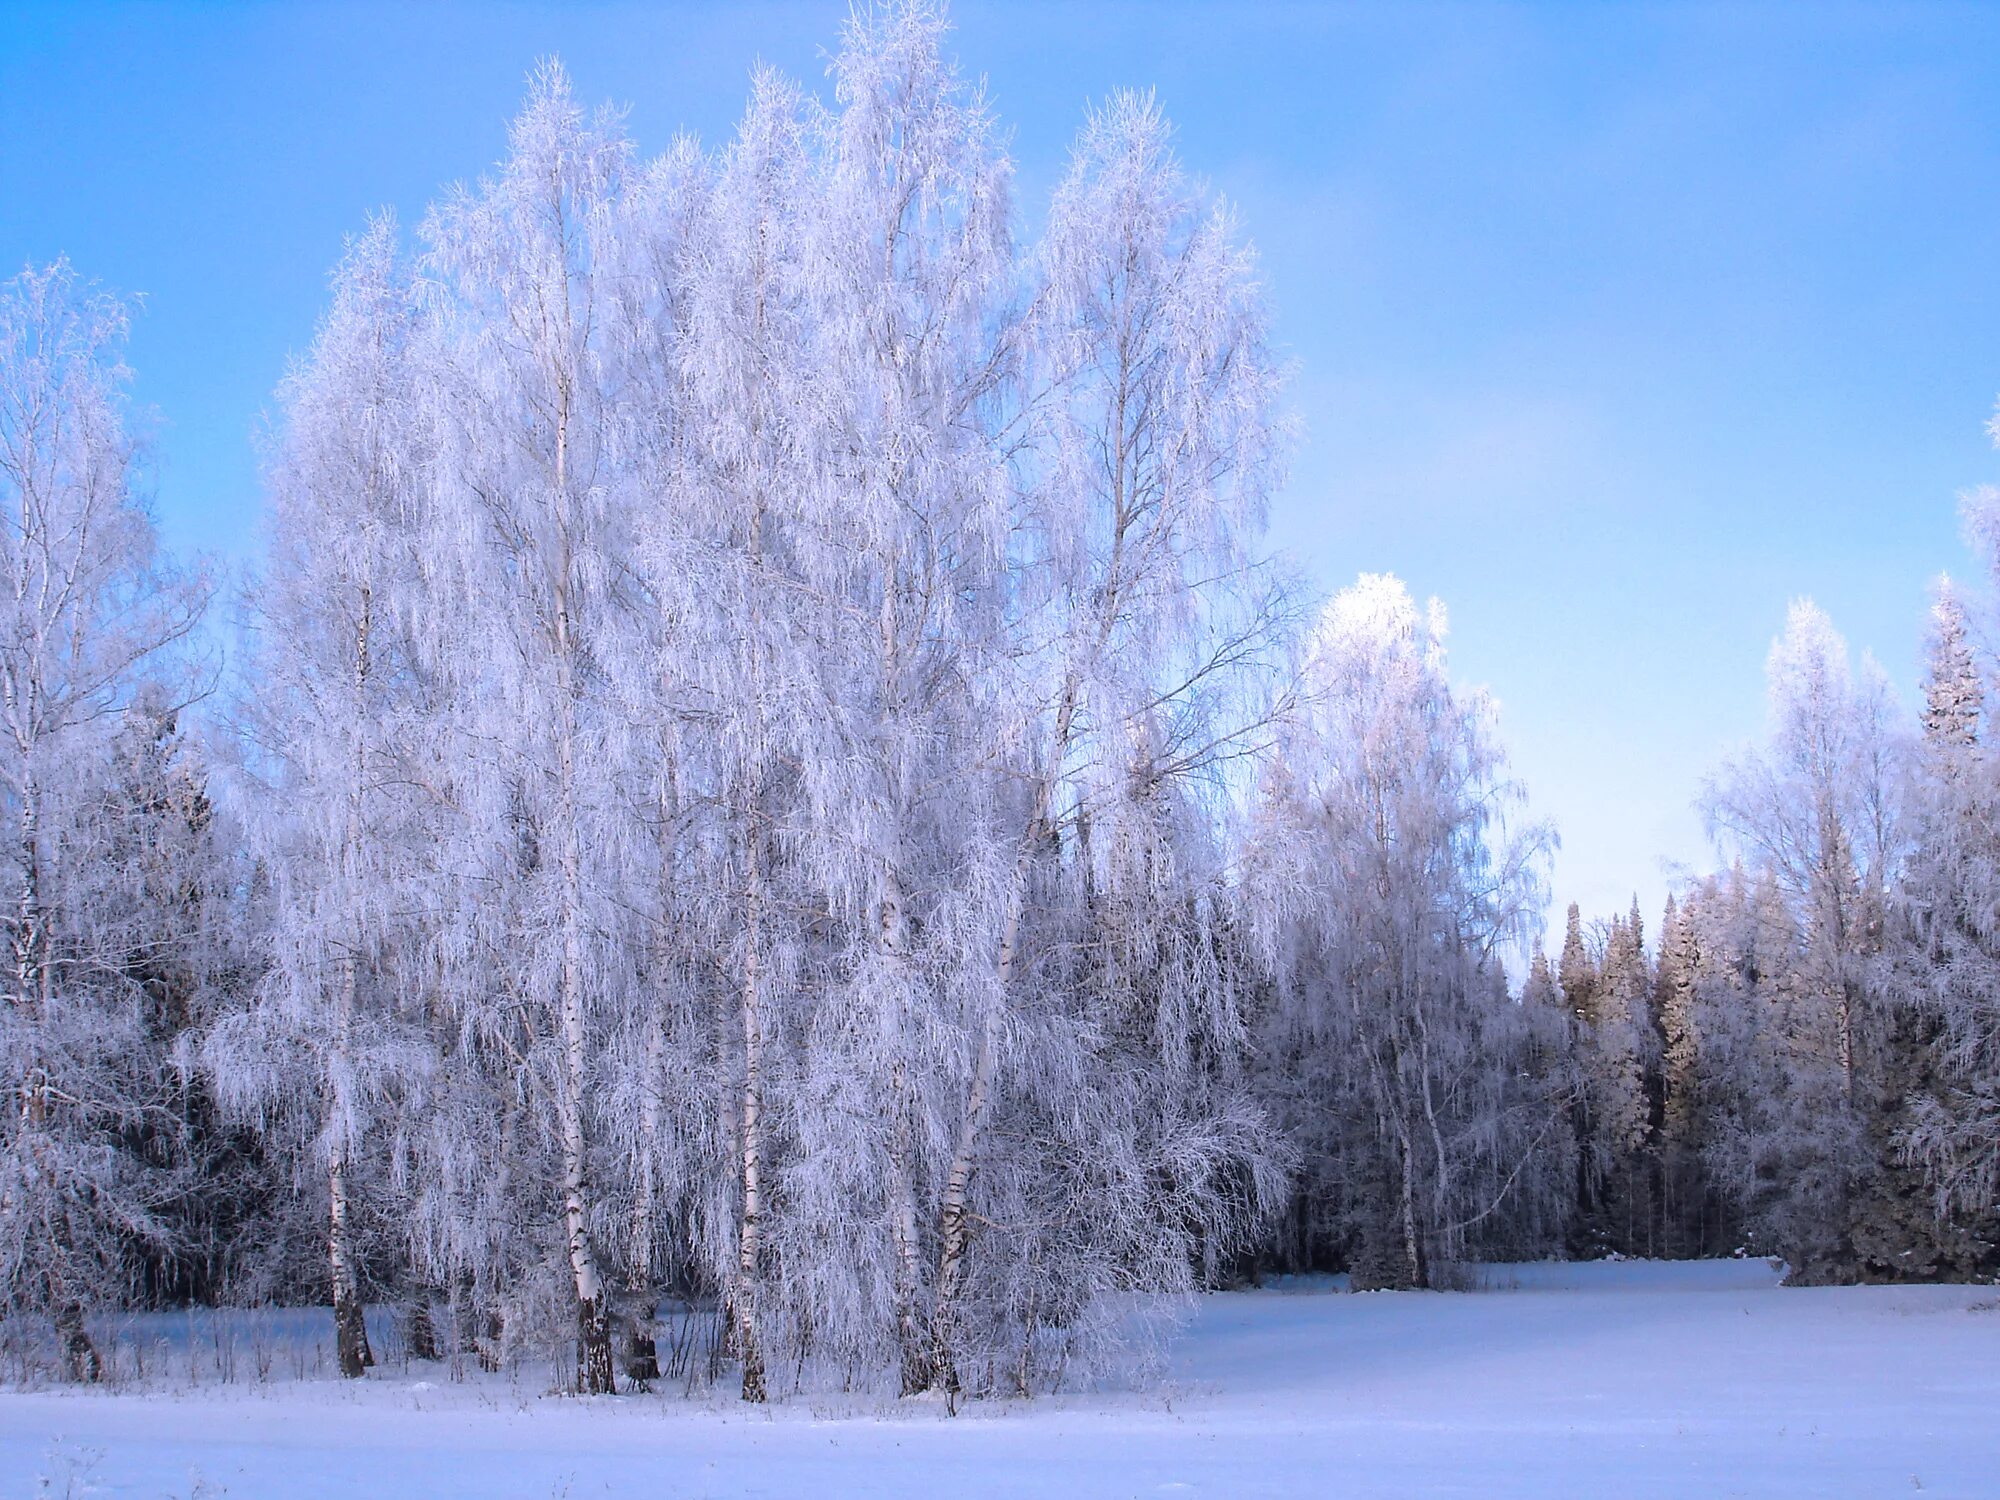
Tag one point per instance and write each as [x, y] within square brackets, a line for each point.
[772, 779]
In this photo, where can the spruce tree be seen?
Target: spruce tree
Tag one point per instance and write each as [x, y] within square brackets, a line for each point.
[1954, 697]
[1577, 974]
[1902, 1231]
[1684, 1212]
[1617, 1055]
[1577, 971]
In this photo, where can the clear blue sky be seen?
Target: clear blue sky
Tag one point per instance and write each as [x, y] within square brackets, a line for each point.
[1617, 325]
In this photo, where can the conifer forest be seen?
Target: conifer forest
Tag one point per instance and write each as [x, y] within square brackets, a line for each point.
[769, 821]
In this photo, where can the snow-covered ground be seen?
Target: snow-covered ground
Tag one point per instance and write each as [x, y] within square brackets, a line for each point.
[1628, 1380]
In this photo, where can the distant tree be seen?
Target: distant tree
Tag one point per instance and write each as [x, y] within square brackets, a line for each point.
[1689, 1217]
[1578, 977]
[1954, 693]
[1817, 812]
[1938, 1105]
[1619, 1059]
[1385, 879]
[180, 868]
[1577, 971]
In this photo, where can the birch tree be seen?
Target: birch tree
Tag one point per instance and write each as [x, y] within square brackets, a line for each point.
[342, 723]
[738, 564]
[532, 527]
[94, 612]
[914, 284]
[1154, 442]
[1384, 882]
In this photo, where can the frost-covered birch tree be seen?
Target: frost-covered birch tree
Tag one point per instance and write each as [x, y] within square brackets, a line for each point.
[738, 559]
[1385, 881]
[342, 731]
[94, 614]
[1138, 608]
[914, 284]
[531, 552]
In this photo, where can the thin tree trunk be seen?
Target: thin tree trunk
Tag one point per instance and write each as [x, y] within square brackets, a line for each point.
[750, 1227]
[954, 1221]
[911, 1340]
[350, 1328]
[642, 1359]
[492, 1349]
[745, 1303]
[594, 1375]
[32, 977]
[420, 1340]
[465, 1319]
[492, 1323]
[953, 1225]
[34, 980]
[34, 974]
[79, 1353]
[1440, 1205]
[1413, 1246]
[593, 1353]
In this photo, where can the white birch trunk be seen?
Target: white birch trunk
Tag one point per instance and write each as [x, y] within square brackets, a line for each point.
[593, 1353]
[350, 1328]
[750, 1225]
[912, 1341]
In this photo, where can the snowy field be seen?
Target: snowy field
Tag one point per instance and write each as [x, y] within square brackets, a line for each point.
[1629, 1380]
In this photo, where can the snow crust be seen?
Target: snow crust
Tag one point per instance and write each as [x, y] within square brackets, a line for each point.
[1629, 1379]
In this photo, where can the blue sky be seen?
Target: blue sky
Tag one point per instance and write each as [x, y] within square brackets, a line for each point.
[1617, 326]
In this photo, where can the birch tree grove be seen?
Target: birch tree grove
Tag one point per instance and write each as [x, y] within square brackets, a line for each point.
[767, 751]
